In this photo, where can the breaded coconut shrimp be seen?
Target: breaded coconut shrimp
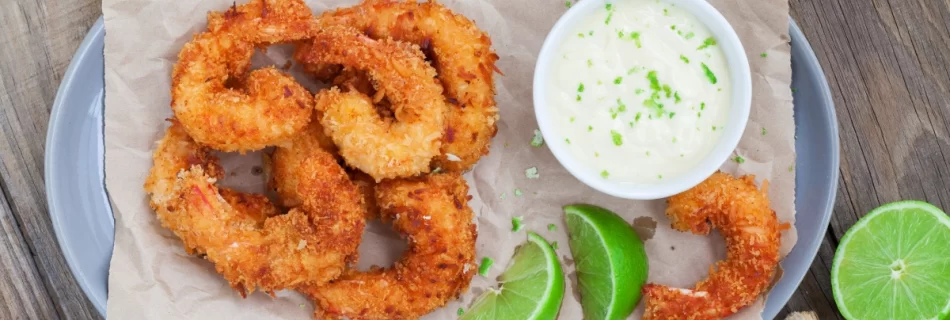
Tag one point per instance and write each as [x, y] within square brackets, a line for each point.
[218, 102]
[459, 51]
[432, 213]
[242, 235]
[741, 213]
[383, 148]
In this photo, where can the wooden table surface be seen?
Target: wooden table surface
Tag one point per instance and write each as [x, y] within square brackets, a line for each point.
[886, 61]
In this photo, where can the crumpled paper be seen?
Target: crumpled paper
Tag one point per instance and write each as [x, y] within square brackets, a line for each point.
[151, 277]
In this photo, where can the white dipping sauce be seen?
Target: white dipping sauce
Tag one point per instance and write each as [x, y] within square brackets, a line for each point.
[641, 91]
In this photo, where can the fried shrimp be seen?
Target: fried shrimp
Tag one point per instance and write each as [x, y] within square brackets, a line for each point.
[382, 148]
[438, 265]
[741, 212]
[459, 51]
[268, 107]
[241, 234]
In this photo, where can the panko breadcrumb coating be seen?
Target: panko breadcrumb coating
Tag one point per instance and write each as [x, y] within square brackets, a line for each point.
[741, 213]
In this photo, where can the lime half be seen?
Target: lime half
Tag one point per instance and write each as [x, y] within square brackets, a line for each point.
[895, 264]
[531, 288]
[611, 262]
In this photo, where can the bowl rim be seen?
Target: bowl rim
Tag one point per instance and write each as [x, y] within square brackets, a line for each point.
[740, 77]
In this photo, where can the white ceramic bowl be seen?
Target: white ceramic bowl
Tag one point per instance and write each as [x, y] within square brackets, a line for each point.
[741, 80]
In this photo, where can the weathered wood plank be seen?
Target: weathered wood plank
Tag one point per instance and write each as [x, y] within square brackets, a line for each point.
[39, 38]
[21, 289]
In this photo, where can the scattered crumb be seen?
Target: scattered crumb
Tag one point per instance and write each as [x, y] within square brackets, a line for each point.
[532, 173]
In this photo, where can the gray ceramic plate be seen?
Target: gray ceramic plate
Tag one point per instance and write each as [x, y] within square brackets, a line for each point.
[81, 214]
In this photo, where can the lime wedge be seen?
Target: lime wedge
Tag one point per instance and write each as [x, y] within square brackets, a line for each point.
[895, 264]
[611, 262]
[531, 288]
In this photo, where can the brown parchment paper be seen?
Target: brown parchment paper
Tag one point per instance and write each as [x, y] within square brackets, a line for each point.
[152, 278]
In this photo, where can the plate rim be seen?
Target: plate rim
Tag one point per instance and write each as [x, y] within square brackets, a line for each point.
[810, 246]
[55, 123]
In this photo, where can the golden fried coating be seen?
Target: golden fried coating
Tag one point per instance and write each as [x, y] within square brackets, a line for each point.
[432, 212]
[382, 148]
[286, 163]
[741, 213]
[309, 245]
[459, 51]
[268, 107]
[265, 22]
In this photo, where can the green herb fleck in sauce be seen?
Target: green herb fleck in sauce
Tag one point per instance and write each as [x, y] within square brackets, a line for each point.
[702, 106]
[610, 14]
[486, 264]
[672, 114]
[684, 58]
[707, 43]
[659, 176]
[616, 137]
[461, 312]
[532, 173]
[674, 139]
[596, 155]
[648, 153]
[572, 119]
[620, 34]
[739, 159]
[638, 91]
[636, 39]
[637, 117]
[604, 174]
[672, 27]
[580, 35]
[554, 245]
[580, 87]
[590, 63]
[689, 35]
[634, 70]
[566, 140]
[516, 224]
[709, 74]
[578, 97]
[537, 140]
[590, 33]
[676, 97]
[666, 12]
[618, 80]
[590, 128]
[667, 90]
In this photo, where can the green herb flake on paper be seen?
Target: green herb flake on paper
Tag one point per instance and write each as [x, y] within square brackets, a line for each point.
[516, 224]
[707, 43]
[709, 74]
[763, 131]
[532, 173]
[538, 139]
[485, 265]
[616, 137]
[518, 192]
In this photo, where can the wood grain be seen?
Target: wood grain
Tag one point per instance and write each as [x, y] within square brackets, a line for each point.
[886, 61]
[39, 39]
